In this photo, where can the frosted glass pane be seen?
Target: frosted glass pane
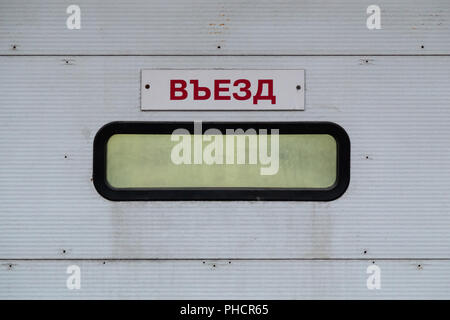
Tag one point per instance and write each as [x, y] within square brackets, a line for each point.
[145, 161]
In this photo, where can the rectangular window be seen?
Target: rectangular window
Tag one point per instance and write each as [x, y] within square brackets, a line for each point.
[221, 161]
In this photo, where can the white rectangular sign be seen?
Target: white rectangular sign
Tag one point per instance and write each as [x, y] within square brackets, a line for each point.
[213, 89]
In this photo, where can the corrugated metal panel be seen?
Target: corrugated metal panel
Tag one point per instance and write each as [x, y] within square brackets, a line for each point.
[395, 107]
[224, 27]
[224, 280]
[395, 110]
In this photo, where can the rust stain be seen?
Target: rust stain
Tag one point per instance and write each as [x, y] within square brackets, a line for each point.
[219, 27]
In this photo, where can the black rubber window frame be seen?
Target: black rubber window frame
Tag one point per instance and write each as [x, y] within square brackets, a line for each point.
[221, 194]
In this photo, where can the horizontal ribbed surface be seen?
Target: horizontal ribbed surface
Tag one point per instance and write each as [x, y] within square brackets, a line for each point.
[224, 27]
[224, 280]
[395, 110]
[391, 96]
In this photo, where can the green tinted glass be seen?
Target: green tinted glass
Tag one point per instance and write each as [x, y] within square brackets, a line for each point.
[241, 161]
